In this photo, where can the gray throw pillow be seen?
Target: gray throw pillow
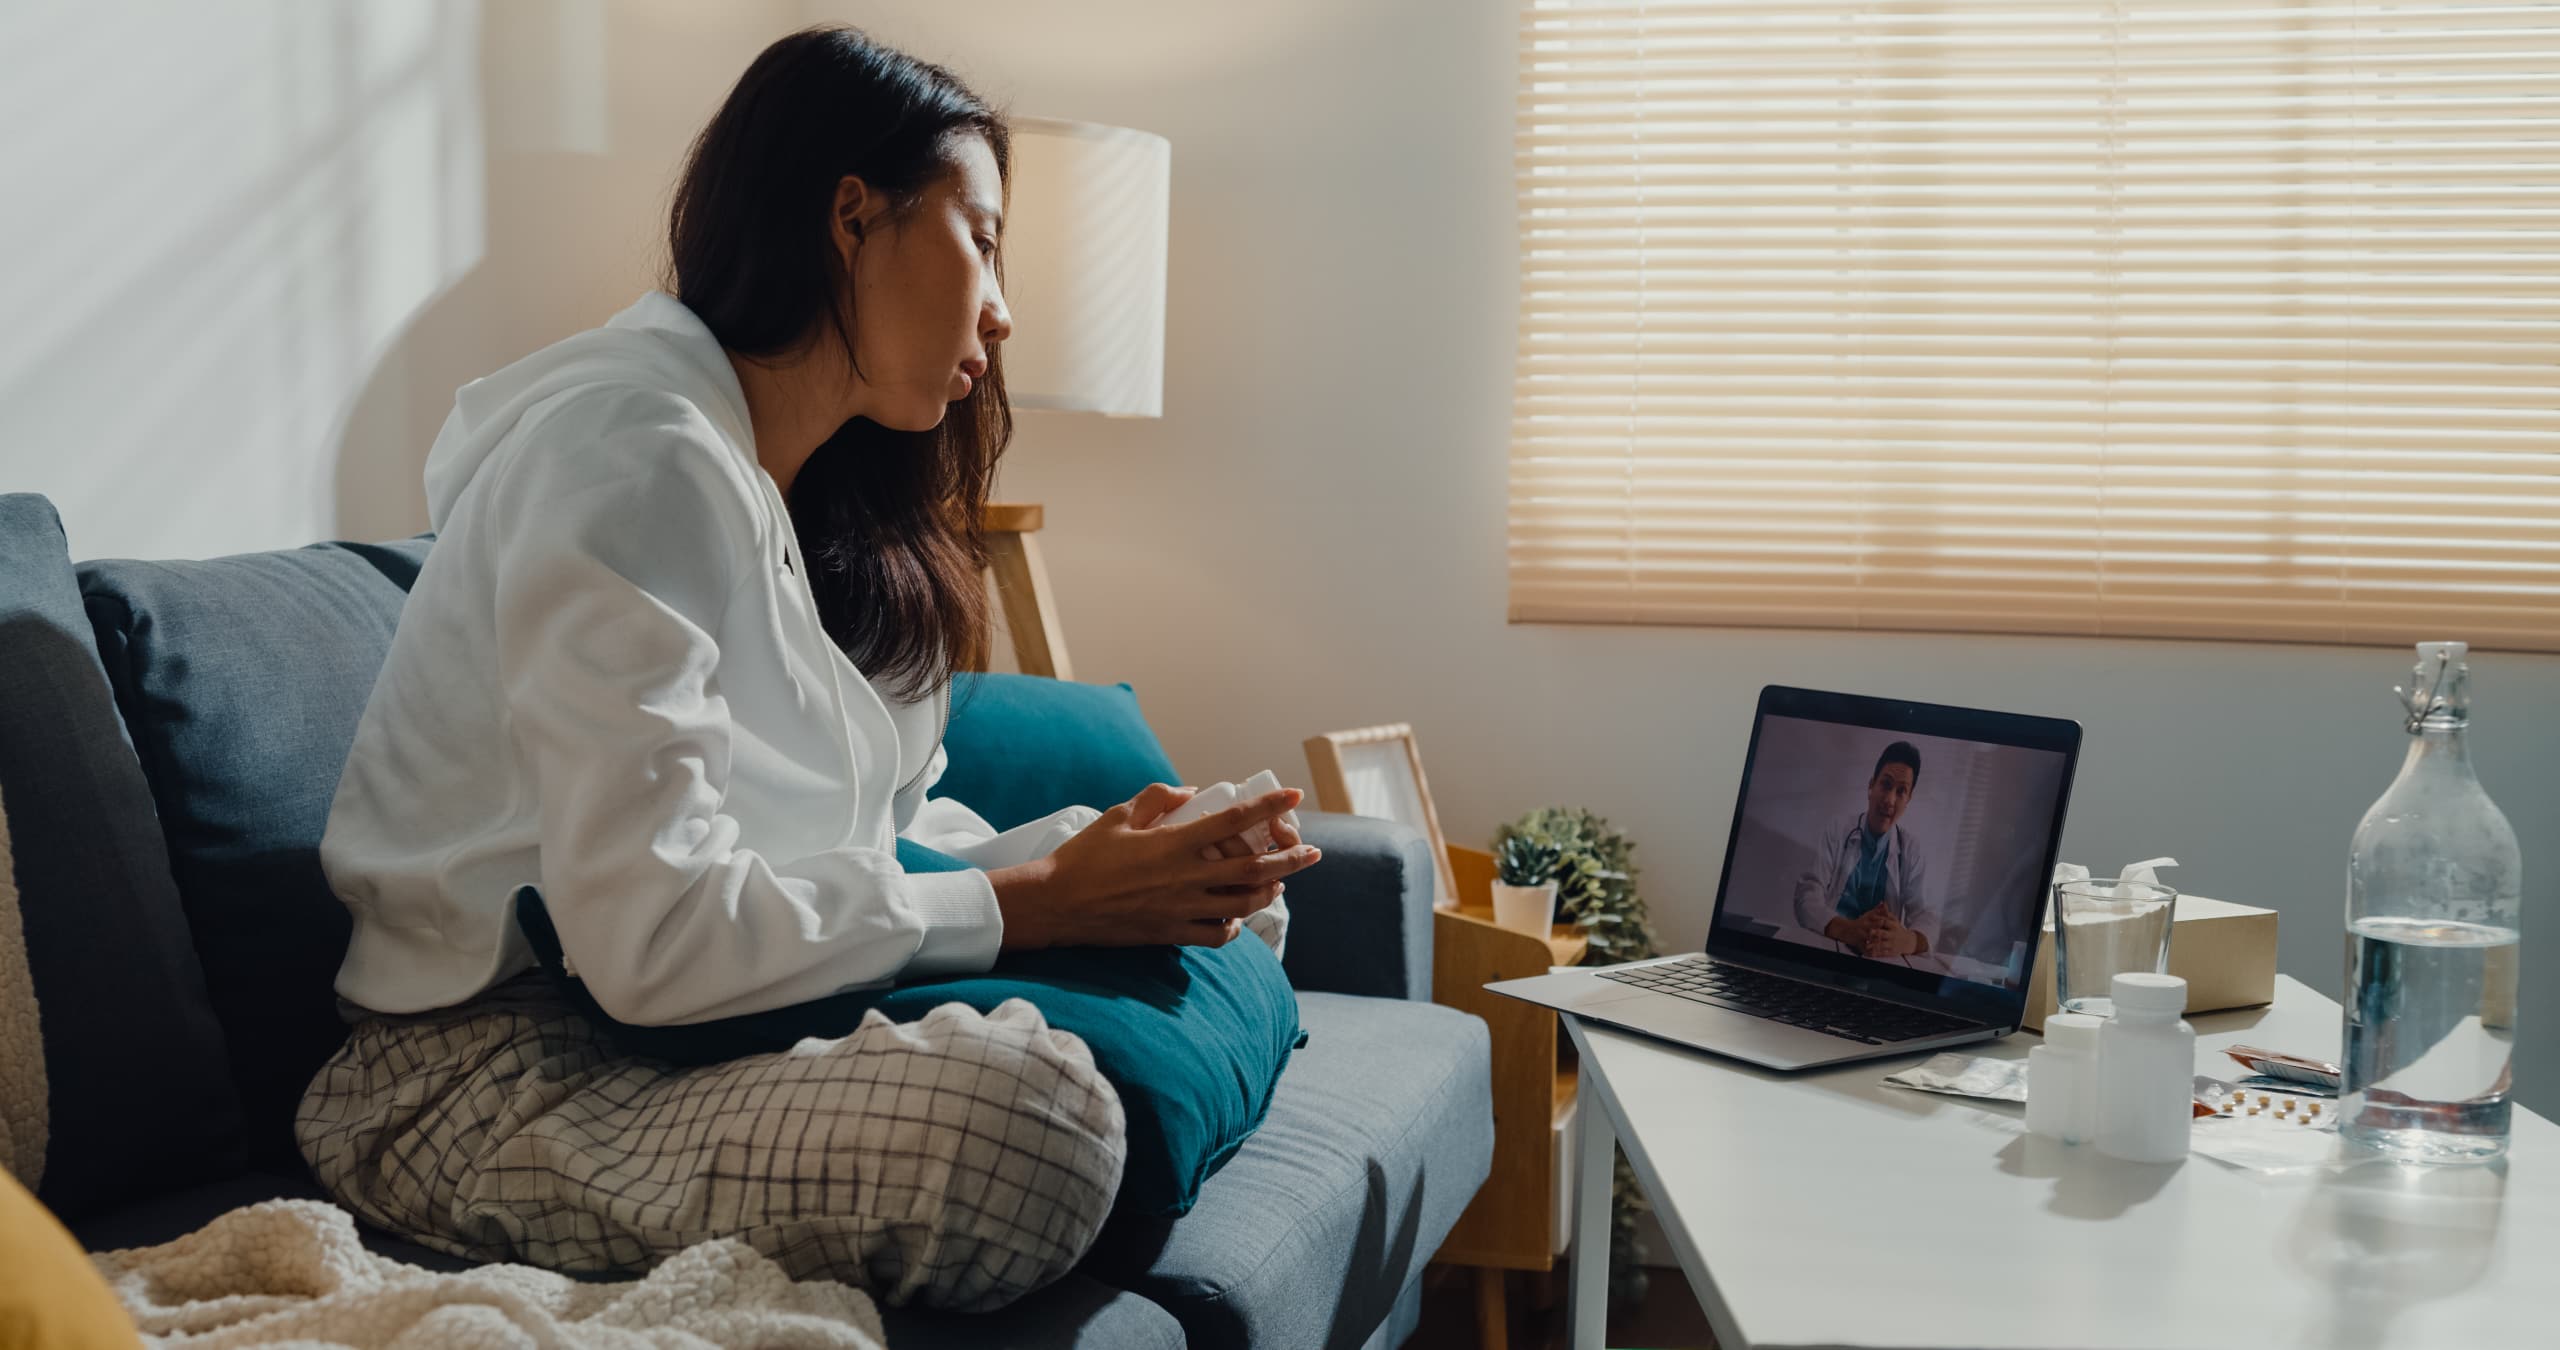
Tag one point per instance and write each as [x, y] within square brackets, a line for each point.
[241, 680]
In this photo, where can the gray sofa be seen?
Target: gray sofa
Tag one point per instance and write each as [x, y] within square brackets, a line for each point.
[170, 734]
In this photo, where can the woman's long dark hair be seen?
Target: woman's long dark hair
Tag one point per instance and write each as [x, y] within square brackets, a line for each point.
[888, 520]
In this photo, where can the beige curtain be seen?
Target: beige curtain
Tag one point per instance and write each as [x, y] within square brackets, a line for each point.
[2200, 318]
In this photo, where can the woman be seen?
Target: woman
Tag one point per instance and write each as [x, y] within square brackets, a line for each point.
[679, 659]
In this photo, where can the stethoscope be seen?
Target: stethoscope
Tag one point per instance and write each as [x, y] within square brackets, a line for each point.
[1849, 841]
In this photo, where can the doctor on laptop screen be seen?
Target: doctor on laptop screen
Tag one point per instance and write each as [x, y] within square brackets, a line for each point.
[1918, 851]
[1881, 885]
[1867, 890]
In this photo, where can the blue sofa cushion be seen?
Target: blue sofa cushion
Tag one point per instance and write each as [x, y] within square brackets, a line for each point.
[1023, 746]
[241, 680]
[1379, 1134]
[1076, 1313]
[1371, 901]
[141, 1096]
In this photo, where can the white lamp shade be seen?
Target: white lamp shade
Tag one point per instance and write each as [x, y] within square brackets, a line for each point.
[1084, 244]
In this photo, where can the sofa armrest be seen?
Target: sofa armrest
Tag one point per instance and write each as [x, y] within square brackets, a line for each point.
[1360, 921]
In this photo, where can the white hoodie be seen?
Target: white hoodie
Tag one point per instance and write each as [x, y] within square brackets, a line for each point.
[611, 683]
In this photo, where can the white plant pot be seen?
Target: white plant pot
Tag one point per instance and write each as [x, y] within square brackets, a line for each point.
[1529, 909]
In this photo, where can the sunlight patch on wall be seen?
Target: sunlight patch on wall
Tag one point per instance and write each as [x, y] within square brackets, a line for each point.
[228, 212]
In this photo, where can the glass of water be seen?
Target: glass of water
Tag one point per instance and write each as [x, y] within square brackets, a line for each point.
[2102, 929]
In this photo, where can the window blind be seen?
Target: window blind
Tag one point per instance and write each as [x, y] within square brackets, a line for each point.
[2196, 318]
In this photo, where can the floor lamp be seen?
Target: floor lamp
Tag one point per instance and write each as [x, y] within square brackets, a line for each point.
[1084, 269]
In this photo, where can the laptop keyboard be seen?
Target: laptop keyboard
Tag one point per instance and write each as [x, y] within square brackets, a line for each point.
[1832, 1011]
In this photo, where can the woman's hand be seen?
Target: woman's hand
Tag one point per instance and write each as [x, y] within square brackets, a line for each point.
[1283, 836]
[1122, 883]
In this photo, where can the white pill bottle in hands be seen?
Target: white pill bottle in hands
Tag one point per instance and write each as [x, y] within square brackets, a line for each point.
[2146, 1071]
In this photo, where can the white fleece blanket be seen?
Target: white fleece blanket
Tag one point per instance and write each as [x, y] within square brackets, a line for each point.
[292, 1273]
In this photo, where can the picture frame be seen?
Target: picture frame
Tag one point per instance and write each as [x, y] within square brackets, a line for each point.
[1377, 772]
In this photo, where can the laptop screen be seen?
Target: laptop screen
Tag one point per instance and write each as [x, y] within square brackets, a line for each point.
[1907, 844]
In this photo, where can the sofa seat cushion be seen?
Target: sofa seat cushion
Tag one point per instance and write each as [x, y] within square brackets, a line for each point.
[171, 1215]
[241, 680]
[1378, 1136]
[1076, 1313]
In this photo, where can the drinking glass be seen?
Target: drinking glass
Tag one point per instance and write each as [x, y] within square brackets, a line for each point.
[2102, 929]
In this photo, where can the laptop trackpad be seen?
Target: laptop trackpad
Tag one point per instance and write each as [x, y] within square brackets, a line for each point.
[1576, 993]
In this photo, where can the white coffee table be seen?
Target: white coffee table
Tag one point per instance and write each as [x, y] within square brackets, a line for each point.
[1828, 1209]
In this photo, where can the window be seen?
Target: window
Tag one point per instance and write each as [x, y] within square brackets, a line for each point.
[2195, 318]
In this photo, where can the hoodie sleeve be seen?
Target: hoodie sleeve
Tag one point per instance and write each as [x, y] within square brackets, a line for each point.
[618, 556]
[947, 826]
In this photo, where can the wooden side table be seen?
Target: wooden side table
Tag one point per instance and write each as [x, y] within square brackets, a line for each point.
[1021, 579]
[1512, 1223]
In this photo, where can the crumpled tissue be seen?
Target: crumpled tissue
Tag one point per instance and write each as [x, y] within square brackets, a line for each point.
[2143, 871]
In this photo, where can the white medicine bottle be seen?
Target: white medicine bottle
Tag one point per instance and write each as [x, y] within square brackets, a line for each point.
[2062, 1078]
[2146, 1071]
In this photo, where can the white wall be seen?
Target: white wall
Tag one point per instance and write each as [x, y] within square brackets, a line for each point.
[270, 239]
[218, 215]
[254, 246]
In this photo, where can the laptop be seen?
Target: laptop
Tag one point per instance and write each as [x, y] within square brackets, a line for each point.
[1884, 883]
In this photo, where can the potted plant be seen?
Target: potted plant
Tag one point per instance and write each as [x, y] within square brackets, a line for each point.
[1524, 887]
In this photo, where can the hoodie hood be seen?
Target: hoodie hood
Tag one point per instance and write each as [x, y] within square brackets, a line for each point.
[657, 343]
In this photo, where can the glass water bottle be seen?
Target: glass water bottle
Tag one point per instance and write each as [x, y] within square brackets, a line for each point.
[2434, 883]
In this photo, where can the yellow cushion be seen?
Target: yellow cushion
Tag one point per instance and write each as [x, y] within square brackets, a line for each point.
[51, 1298]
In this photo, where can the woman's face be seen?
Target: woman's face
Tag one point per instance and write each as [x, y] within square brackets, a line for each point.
[926, 306]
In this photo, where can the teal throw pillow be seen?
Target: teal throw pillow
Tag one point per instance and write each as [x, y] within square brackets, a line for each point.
[1192, 1038]
[1023, 746]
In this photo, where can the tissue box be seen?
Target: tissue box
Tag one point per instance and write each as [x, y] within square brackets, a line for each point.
[2225, 952]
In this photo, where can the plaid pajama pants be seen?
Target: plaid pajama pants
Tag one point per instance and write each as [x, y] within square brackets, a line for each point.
[960, 1161]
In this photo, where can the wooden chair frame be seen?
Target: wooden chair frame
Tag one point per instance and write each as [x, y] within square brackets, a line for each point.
[1021, 575]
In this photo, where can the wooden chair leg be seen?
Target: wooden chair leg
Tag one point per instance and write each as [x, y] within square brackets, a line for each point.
[1542, 1290]
[1493, 1316]
[1030, 609]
